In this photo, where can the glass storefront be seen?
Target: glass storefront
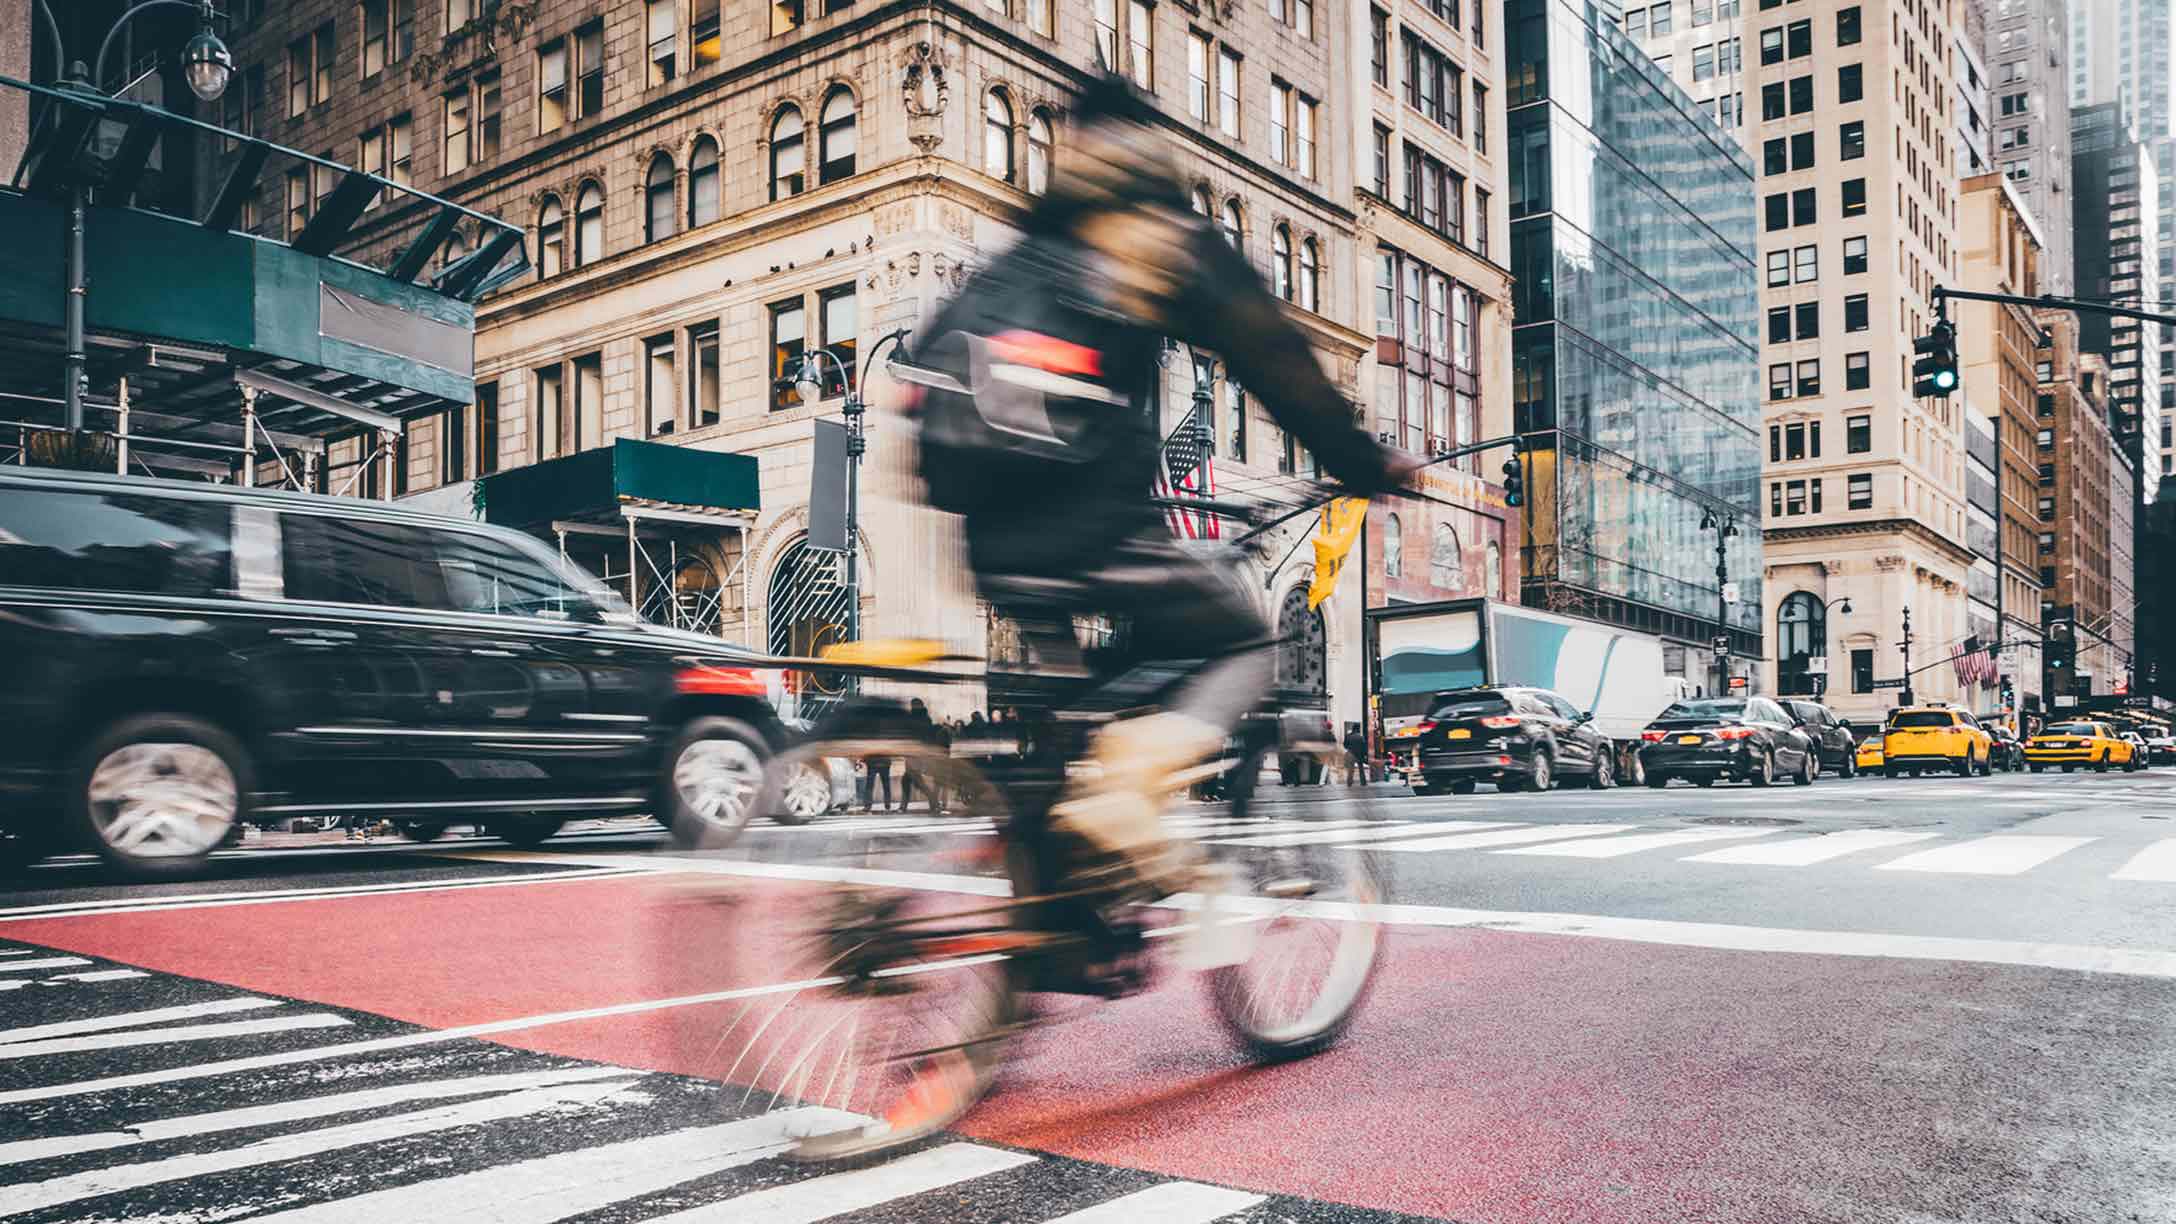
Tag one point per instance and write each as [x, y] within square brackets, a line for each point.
[1636, 360]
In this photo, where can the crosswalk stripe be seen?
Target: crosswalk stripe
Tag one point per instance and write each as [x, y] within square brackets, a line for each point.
[1343, 837]
[99, 975]
[43, 962]
[821, 1198]
[1170, 1203]
[1613, 847]
[167, 1036]
[218, 1121]
[1504, 837]
[1804, 851]
[2000, 854]
[117, 1179]
[559, 1187]
[156, 1015]
[2155, 862]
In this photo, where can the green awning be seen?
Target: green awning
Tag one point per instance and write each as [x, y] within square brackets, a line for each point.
[621, 481]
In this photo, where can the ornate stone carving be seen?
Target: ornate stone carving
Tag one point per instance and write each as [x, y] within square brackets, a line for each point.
[925, 88]
[956, 222]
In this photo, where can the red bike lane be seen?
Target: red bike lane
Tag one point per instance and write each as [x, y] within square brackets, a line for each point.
[1492, 1077]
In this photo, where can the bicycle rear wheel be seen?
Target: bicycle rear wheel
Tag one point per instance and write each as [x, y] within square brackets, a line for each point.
[1286, 920]
[890, 944]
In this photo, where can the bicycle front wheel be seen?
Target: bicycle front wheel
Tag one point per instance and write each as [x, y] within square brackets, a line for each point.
[1289, 921]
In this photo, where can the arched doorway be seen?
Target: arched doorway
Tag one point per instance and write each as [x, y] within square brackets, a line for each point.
[1303, 654]
[1801, 634]
[805, 608]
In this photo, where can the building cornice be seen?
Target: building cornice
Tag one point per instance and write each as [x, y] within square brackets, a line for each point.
[1866, 528]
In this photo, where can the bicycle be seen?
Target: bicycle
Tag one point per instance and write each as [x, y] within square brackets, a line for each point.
[906, 955]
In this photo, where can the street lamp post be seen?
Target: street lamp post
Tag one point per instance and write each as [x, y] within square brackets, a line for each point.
[207, 66]
[1723, 529]
[1904, 697]
[808, 384]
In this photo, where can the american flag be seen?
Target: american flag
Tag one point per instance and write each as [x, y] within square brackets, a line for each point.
[1187, 469]
[1978, 667]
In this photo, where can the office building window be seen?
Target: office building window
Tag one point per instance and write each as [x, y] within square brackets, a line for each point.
[1382, 161]
[1141, 42]
[789, 337]
[1855, 313]
[1280, 118]
[1379, 45]
[660, 395]
[1858, 371]
[1862, 671]
[1859, 435]
[1854, 197]
[551, 86]
[1859, 491]
[1854, 256]
[1809, 377]
[789, 153]
[1779, 267]
[487, 428]
[1847, 26]
[1850, 83]
[703, 375]
[546, 426]
[1197, 73]
[1854, 140]
[662, 27]
[1801, 92]
[1227, 96]
[1806, 265]
[1779, 381]
[1803, 211]
[589, 70]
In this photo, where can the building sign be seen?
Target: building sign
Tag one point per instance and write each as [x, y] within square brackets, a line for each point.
[1436, 545]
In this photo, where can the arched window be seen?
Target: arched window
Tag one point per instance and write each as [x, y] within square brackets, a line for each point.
[588, 224]
[1038, 152]
[1233, 228]
[1492, 583]
[1393, 547]
[1201, 201]
[789, 154]
[1280, 261]
[1310, 276]
[1446, 559]
[657, 209]
[703, 183]
[835, 136]
[551, 238]
[1801, 633]
[997, 135]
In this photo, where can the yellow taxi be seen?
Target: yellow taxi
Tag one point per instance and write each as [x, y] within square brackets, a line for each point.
[1869, 753]
[2072, 744]
[1923, 738]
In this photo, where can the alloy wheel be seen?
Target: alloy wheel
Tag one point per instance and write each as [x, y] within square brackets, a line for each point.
[717, 781]
[163, 800]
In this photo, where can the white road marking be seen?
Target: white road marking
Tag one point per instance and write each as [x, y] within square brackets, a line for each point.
[192, 1125]
[551, 1188]
[1170, 1203]
[43, 962]
[1614, 847]
[2155, 862]
[168, 1036]
[2000, 854]
[1503, 837]
[1803, 851]
[821, 1198]
[23, 913]
[1377, 831]
[97, 975]
[118, 1179]
[156, 1015]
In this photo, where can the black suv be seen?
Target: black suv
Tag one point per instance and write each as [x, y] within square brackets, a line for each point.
[1832, 740]
[1518, 738]
[1701, 739]
[187, 657]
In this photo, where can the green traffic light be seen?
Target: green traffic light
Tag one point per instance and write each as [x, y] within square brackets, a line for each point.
[1945, 379]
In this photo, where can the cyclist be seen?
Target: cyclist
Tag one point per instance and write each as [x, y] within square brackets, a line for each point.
[1035, 390]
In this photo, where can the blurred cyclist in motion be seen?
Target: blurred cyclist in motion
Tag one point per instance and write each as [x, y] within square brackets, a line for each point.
[1035, 390]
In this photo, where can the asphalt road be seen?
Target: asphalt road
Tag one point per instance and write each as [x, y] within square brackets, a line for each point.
[1911, 1000]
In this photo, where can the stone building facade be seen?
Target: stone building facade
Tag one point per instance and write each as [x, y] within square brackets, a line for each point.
[713, 188]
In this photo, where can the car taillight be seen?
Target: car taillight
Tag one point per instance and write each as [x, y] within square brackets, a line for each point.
[1653, 737]
[719, 682]
[1734, 733]
[1423, 727]
[1500, 720]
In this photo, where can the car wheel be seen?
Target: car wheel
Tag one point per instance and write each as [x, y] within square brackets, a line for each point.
[1809, 770]
[155, 794]
[1963, 765]
[525, 833]
[1987, 765]
[805, 795]
[1605, 771]
[1764, 771]
[1704, 780]
[2101, 765]
[2070, 767]
[1892, 771]
[1544, 775]
[422, 830]
[1656, 781]
[1848, 768]
[1464, 786]
[713, 778]
[2036, 768]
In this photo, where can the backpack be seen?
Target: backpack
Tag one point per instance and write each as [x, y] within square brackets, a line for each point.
[1017, 392]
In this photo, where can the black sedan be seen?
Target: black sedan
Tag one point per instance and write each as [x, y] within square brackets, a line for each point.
[1518, 738]
[1727, 737]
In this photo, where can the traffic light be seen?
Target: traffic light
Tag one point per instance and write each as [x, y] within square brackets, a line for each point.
[2061, 647]
[1934, 368]
[1514, 480]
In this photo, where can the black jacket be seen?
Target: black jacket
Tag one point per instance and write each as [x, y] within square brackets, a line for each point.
[1222, 307]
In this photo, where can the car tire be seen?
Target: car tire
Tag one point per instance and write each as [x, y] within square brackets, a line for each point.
[2036, 768]
[1963, 765]
[1766, 774]
[1463, 786]
[711, 780]
[191, 764]
[1543, 776]
[1987, 765]
[1892, 771]
[1657, 781]
[2101, 765]
[1809, 770]
[1605, 772]
[1704, 780]
[804, 795]
[2070, 767]
[421, 830]
[525, 833]
[1849, 769]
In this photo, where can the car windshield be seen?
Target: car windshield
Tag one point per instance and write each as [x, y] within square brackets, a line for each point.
[2071, 729]
[1469, 705]
[1923, 718]
[1713, 708]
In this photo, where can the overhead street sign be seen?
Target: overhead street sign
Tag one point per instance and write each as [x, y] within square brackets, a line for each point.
[1899, 682]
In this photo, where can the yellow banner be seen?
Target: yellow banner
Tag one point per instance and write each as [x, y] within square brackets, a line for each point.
[1342, 520]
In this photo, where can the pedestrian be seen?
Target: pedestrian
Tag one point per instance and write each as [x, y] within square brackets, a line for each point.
[1356, 755]
[876, 769]
[926, 729]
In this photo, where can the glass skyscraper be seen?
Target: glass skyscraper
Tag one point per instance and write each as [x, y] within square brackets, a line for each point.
[1635, 349]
